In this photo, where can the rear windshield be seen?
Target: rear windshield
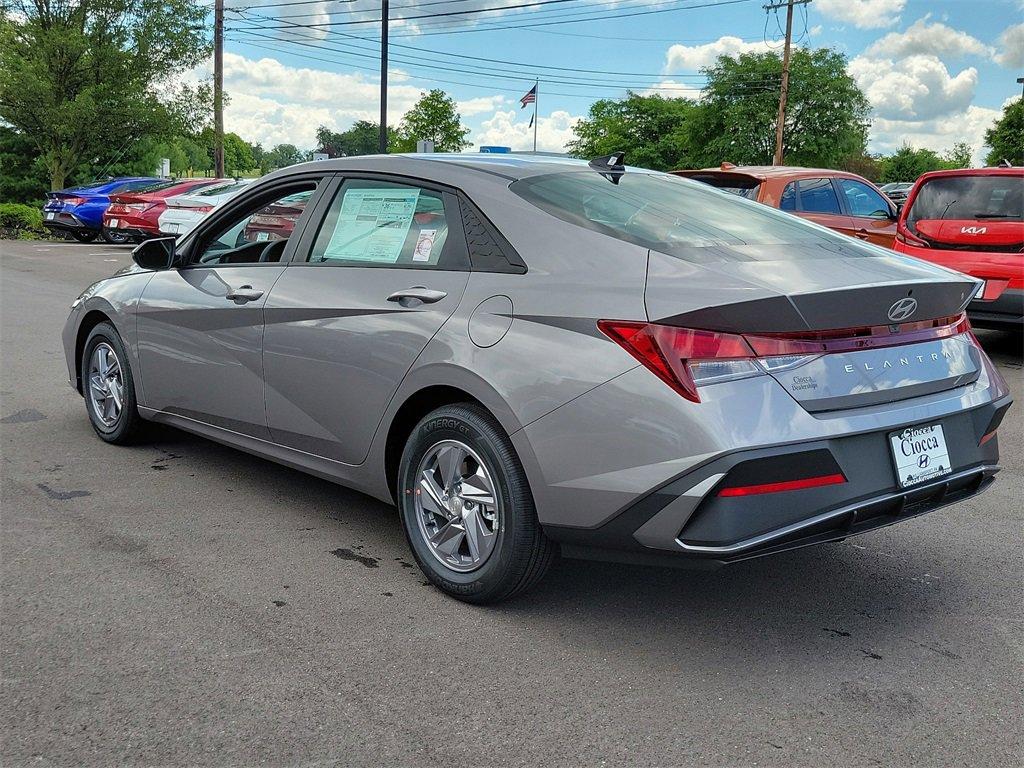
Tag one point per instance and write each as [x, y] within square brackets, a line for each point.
[224, 189]
[156, 186]
[738, 185]
[969, 197]
[670, 214]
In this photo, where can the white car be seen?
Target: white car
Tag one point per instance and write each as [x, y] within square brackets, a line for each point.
[185, 211]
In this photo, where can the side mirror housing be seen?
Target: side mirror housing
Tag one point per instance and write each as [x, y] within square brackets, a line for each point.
[155, 254]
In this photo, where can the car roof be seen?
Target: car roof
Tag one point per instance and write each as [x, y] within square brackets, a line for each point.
[772, 171]
[990, 171]
[452, 168]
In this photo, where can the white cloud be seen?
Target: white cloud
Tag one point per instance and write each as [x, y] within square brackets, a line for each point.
[924, 38]
[272, 103]
[915, 88]
[967, 125]
[480, 105]
[1011, 44]
[672, 89]
[511, 129]
[865, 14]
[693, 57]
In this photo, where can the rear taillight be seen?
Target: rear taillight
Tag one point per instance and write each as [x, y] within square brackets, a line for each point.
[905, 236]
[686, 358]
[191, 207]
[74, 200]
[682, 357]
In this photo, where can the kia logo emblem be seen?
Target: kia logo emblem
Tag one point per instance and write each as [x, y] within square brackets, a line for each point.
[902, 309]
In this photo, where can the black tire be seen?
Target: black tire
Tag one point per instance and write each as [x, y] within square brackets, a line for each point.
[128, 424]
[114, 238]
[522, 553]
[83, 236]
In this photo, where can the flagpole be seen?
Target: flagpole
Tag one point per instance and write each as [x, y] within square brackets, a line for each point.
[536, 98]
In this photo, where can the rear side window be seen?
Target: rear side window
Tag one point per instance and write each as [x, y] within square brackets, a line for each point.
[384, 224]
[818, 196]
[970, 198]
[862, 200]
[788, 200]
[669, 214]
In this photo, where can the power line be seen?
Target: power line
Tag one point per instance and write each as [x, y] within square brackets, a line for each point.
[561, 20]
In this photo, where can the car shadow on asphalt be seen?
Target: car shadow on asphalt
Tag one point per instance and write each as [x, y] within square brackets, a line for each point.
[856, 591]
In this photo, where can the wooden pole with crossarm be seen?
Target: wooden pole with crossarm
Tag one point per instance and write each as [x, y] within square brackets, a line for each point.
[784, 92]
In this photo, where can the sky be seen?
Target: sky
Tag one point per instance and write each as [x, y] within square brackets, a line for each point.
[935, 71]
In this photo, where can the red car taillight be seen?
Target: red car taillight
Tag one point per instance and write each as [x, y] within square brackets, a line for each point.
[685, 358]
[73, 200]
[905, 236]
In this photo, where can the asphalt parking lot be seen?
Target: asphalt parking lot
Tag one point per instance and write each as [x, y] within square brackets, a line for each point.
[182, 603]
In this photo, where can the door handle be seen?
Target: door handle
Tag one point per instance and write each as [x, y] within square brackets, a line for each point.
[420, 294]
[862, 234]
[242, 294]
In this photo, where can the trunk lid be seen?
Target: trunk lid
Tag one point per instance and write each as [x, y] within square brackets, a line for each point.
[997, 235]
[870, 329]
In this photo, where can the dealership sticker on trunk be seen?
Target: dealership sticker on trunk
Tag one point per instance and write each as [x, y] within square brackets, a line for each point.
[920, 454]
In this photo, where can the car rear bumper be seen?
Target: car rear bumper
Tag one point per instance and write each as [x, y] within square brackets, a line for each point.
[1007, 311]
[63, 221]
[687, 520]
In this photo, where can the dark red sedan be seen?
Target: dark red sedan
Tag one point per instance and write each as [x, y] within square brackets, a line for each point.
[136, 215]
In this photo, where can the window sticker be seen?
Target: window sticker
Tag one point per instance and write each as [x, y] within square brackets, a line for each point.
[424, 245]
[372, 225]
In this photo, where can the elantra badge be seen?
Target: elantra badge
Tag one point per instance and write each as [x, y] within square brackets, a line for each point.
[902, 309]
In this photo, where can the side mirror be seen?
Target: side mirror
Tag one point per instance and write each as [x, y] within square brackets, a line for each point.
[155, 254]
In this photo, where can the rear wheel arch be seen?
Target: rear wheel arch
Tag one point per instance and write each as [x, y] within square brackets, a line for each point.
[409, 414]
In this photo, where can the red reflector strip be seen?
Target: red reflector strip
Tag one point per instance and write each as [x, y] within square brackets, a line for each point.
[987, 437]
[786, 485]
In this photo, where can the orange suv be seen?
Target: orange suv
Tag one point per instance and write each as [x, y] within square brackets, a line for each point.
[838, 200]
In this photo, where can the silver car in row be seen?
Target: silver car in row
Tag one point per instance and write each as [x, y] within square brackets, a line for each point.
[533, 355]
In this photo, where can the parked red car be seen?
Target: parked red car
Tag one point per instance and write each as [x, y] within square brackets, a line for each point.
[972, 220]
[136, 215]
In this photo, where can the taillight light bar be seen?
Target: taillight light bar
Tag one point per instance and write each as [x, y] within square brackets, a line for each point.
[687, 357]
[785, 485]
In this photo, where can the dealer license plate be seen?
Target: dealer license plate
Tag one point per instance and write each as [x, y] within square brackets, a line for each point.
[920, 454]
[113, 224]
[50, 216]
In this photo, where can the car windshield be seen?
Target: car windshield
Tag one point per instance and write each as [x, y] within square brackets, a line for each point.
[670, 214]
[969, 198]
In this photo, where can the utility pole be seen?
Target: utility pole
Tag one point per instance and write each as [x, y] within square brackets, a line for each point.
[218, 88]
[784, 93]
[1020, 82]
[383, 141]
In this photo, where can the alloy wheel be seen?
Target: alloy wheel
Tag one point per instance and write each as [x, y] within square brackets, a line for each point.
[457, 508]
[106, 385]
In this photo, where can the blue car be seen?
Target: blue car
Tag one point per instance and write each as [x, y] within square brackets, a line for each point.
[78, 211]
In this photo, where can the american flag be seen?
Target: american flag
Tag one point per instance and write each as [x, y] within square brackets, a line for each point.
[529, 98]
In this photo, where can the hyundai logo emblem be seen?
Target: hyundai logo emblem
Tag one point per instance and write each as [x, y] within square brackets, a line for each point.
[902, 309]
[922, 460]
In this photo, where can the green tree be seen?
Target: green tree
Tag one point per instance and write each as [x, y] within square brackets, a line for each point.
[363, 138]
[826, 113]
[908, 163]
[863, 164]
[435, 118]
[959, 156]
[653, 131]
[281, 156]
[1006, 136]
[23, 177]
[81, 77]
